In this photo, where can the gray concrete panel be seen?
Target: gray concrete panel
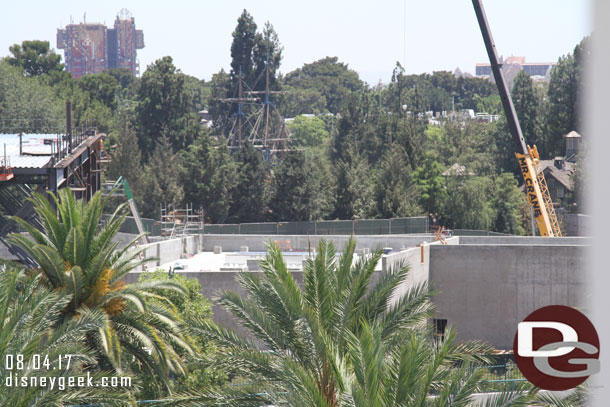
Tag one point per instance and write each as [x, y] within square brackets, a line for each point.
[485, 291]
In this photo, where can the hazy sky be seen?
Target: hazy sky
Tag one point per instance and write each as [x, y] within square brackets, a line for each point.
[425, 35]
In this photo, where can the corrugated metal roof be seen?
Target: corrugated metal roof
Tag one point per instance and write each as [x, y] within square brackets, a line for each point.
[30, 144]
[24, 161]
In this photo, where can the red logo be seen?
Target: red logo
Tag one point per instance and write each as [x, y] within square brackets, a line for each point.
[556, 348]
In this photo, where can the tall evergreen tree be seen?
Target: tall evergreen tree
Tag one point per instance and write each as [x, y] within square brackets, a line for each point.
[354, 187]
[250, 53]
[431, 183]
[564, 99]
[164, 108]
[527, 105]
[159, 183]
[248, 201]
[301, 188]
[511, 207]
[220, 111]
[395, 191]
[126, 156]
[208, 175]
[242, 48]
[267, 49]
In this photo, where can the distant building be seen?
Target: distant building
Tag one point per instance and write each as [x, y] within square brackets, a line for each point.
[91, 48]
[513, 65]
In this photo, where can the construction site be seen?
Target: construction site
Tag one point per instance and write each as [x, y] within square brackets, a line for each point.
[45, 162]
[485, 283]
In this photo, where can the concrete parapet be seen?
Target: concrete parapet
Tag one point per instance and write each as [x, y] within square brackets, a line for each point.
[166, 251]
[525, 240]
[304, 243]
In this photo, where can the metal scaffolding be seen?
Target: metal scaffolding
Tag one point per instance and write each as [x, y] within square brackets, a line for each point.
[177, 222]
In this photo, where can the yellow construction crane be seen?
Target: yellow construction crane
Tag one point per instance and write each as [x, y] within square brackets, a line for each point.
[535, 185]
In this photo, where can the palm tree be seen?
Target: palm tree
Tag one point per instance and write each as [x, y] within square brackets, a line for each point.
[78, 258]
[344, 338]
[32, 333]
[579, 397]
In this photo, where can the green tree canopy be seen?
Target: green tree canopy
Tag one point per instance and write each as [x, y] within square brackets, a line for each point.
[511, 207]
[126, 157]
[431, 183]
[565, 100]
[267, 50]
[36, 58]
[355, 188]
[102, 87]
[27, 104]
[123, 76]
[249, 196]
[527, 104]
[297, 101]
[200, 91]
[301, 188]
[160, 181]
[469, 203]
[164, 107]
[395, 191]
[242, 48]
[208, 175]
[308, 131]
[331, 78]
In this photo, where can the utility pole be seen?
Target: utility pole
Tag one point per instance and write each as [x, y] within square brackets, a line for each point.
[267, 101]
[69, 125]
[239, 108]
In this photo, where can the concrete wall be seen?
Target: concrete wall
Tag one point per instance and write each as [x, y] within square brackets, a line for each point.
[212, 282]
[167, 251]
[418, 261]
[302, 242]
[525, 240]
[578, 224]
[485, 291]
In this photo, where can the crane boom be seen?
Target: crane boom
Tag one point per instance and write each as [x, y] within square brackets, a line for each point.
[535, 185]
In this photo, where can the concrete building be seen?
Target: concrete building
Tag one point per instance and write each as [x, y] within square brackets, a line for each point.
[539, 71]
[91, 48]
[485, 285]
[532, 68]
